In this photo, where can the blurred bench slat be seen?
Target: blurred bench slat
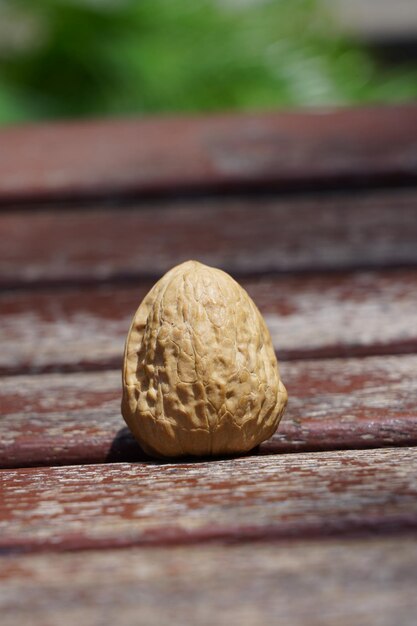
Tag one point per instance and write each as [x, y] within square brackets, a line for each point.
[242, 235]
[369, 582]
[79, 159]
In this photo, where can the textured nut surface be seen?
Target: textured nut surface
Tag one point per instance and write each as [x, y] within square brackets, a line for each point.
[200, 376]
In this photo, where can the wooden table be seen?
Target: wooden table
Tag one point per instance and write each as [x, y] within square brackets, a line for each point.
[316, 215]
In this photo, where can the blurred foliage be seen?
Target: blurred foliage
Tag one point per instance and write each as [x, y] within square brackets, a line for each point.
[102, 57]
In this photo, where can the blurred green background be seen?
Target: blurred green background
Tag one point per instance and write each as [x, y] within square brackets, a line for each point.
[78, 58]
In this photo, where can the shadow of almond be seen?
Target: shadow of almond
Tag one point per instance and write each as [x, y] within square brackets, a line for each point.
[125, 448]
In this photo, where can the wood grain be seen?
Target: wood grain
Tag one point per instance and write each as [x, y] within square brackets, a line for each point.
[313, 315]
[252, 498]
[370, 582]
[223, 152]
[242, 235]
[336, 404]
[91, 214]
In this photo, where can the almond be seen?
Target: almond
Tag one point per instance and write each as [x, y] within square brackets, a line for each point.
[200, 376]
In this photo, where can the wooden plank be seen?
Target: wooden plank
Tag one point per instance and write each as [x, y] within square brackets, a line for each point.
[223, 152]
[336, 404]
[314, 315]
[242, 235]
[252, 498]
[370, 582]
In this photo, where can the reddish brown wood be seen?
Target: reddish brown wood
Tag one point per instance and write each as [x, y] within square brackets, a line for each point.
[336, 404]
[315, 315]
[68, 310]
[252, 498]
[370, 582]
[242, 235]
[356, 146]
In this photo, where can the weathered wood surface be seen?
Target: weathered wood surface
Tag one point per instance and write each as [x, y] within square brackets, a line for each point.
[82, 240]
[242, 235]
[334, 404]
[371, 583]
[314, 315]
[252, 498]
[357, 146]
